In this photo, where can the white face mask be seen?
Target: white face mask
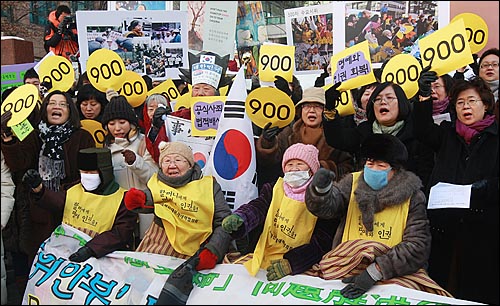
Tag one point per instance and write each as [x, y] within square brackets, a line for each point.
[90, 181]
[296, 178]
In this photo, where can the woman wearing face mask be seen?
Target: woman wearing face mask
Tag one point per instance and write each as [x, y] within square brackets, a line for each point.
[97, 196]
[292, 240]
[383, 221]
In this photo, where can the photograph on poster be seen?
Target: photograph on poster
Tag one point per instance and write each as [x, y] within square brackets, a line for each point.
[149, 43]
[310, 30]
[391, 27]
[137, 5]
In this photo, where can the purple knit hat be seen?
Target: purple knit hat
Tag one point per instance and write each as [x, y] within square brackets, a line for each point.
[305, 152]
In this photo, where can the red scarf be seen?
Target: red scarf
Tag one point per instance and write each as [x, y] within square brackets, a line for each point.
[469, 131]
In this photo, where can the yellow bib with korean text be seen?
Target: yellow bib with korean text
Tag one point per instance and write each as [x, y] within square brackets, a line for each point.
[288, 225]
[94, 212]
[388, 224]
[186, 212]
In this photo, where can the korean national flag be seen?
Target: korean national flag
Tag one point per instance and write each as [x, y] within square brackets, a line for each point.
[232, 161]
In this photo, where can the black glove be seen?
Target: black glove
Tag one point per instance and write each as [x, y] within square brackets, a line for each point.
[5, 130]
[331, 96]
[62, 26]
[424, 82]
[323, 179]
[158, 120]
[270, 132]
[32, 178]
[282, 85]
[82, 254]
[358, 285]
[474, 65]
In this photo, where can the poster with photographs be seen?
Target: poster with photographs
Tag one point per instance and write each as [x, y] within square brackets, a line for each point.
[391, 27]
[150, 42]
[139, 5]
[310, 29]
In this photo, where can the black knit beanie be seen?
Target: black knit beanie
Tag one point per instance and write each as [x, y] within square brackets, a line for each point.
[119, 108]
[385, 147]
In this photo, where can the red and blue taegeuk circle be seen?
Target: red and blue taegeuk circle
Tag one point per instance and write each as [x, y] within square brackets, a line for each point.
[232, 155]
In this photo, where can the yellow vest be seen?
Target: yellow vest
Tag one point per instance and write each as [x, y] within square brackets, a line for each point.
[186, 212]
[93, 213]
[288, 225]
[388, 224]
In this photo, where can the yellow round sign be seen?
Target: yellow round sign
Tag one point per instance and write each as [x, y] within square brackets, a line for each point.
[105, 69]
[57, 71]
[183, 101]
[94, 127]
[21, 103]
[166, 88]
[269, 104]
[476, 29]
[404, 70]
[134, 88]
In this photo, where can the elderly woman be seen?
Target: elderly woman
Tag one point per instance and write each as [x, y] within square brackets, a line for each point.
[188, 209]
[466, 154]
[383, 221]
[294, 242]
[388, 112]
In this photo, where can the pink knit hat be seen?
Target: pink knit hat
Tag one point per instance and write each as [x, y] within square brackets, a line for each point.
[305, 152]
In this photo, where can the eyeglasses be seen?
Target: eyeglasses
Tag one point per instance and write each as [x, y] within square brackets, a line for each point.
[176, 162]
[60, 104]
[487, 65]
[312, 105]
[436, 87]
[470, 101]
[378, 100]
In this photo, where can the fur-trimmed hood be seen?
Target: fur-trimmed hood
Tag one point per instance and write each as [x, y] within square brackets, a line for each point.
[401, 187]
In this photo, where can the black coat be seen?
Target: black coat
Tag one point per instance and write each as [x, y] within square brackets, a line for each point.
[464, 240]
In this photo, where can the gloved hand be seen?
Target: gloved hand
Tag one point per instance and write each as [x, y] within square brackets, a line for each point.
[32, 178]
[110, 93]
[135, 198]
[323, 179]
[158, 119]
[207, 260]
[62, 26]
[5, 130]
[424, 82]
[129, 156]
[269, 133]
[331, 96]
[475, 64]
[279, 268]
[231, 223]
[358, 285]
[282, 85]
[82, 254]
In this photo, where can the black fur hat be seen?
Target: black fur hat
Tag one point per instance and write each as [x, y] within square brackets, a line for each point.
[97, 159]
[385, 147]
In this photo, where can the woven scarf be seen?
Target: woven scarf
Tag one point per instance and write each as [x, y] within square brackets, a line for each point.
[359, 115]
[438, 106]
[51, 161]
[377, 128]
[467, 132]
[494, 88]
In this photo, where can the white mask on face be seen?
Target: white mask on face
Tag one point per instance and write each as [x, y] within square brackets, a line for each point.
[296, 178]
[90, 181]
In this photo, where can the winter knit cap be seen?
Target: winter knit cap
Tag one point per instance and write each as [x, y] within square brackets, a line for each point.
[180, 148]
[119, 108]
[385, 147]
[313, 94]
[304, 152]
[97, 159]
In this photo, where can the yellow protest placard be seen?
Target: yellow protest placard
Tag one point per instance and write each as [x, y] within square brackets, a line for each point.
[205, 114]
[276, 60]
[21, 103]
[58, 72]
[476, 29]
[94, 127]
[134, 88]
[269, 104]
[352, 67]
[344, 104]
[404, 70]
[166, 88]
[105, 69]
[22, 129]
[446, 49]
[182, 101]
